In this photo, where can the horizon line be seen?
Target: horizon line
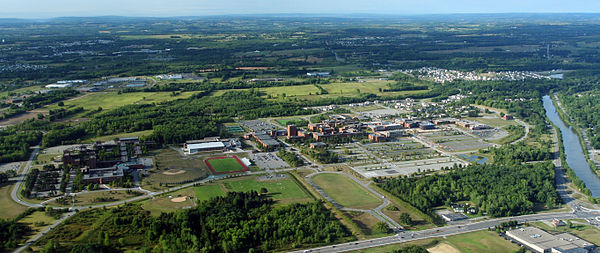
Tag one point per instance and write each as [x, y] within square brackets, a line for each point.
[345, 15]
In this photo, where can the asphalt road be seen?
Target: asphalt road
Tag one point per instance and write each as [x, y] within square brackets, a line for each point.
[21, 178]
[407, 236]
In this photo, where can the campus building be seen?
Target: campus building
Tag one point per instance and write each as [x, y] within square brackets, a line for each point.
[540, 241]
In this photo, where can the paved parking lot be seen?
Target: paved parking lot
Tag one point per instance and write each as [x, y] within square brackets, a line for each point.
[268, 161]
[258, 125]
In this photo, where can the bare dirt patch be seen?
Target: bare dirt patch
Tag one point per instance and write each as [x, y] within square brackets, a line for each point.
[443, 248]
[174, 172]
[179, 199]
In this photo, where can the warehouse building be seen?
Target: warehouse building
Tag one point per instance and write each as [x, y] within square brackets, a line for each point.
[540, 241]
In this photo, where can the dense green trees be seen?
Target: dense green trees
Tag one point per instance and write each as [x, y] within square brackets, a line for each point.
[583, 108]
[243, 221]
[237, 222]
[15, 144]
[290, 158]
[176, 121]
[499, 190]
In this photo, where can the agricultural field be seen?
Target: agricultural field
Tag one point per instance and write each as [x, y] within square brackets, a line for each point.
[225, 165]
[345, 191]
[473, 242]
[112, 100]
[334, 90]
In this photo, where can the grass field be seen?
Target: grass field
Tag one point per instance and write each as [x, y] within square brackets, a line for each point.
[207, 192]
[283, 191]
[334, 90]
[170, 160]
[495, 122]
[164, 204]
[116, 136]
[225, 165]
[98, 197]
[111, 100]
[43, 220]
[479, 241]
[9, 209]
[345, 191]
[366, 222]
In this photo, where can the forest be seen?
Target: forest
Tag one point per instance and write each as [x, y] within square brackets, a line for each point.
[583, 108]
[498, 190]
[15, 144]
[237, 222]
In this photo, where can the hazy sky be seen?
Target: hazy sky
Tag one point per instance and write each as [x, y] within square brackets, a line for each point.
[167, 8]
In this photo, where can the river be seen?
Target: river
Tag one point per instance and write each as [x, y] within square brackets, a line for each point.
[573, 150]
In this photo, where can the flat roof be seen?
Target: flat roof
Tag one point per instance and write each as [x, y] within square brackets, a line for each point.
[543, 239]
[205, 145]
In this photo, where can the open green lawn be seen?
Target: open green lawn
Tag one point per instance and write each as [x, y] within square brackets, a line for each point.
[495, 122]
[284, 191]
[99, 197]
[225, 165]
[111, 100]
[8, 208]
[481, 241]
[345, 191]
[116, 136]
[478, 241]
[207, 192]
[43, 221]
[165, 204]
[309, 91]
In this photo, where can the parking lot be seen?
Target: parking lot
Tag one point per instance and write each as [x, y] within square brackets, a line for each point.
[452, 140]
[258, 125]
[406, 167]
[268, 161]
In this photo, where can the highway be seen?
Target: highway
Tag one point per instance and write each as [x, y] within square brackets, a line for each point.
[407, 236]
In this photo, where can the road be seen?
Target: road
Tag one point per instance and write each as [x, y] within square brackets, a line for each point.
[376, 212]
[21, 178]
[407, 236]
[43, 232]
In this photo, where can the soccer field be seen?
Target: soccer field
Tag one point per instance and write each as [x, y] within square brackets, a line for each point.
[225, 164]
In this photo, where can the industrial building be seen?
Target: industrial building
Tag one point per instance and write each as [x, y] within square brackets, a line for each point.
[541, 241]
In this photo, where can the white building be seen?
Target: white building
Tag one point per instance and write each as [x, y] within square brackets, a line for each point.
[205, 146]
[543, 242]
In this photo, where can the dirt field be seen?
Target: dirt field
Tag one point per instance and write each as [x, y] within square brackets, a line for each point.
[22, 117]
[443, 248]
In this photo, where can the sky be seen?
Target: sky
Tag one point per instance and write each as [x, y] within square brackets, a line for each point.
[173, 8]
